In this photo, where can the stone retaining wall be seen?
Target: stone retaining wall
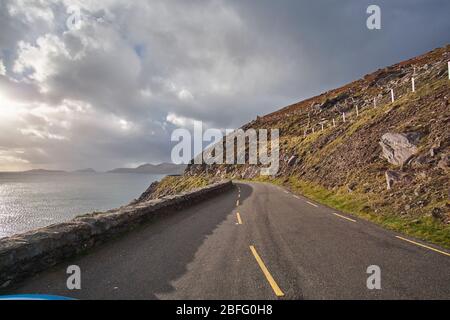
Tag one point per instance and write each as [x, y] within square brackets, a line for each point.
[26, 254]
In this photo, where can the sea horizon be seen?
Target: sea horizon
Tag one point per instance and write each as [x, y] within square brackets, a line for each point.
[31, 201]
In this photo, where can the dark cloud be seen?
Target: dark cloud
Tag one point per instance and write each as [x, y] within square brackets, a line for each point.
[110, 93]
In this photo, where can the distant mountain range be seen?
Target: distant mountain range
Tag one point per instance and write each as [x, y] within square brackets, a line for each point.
[42, 171]
[162, 168]
[88, 170]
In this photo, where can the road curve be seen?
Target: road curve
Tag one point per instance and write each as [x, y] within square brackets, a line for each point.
[256, 241]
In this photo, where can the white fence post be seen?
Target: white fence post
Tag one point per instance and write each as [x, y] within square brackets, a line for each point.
[357, 111]
[374, 102]
[334, 123]
[448, 64]
[343, 116]
[413, 83]
[392, 95]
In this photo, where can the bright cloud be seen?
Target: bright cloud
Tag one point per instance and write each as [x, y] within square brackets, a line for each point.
[39, 58]
[180, 121]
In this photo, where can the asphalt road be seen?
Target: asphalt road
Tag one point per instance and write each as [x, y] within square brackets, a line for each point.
[280, 246]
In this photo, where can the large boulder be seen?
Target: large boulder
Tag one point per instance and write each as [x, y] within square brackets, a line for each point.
[398, 148]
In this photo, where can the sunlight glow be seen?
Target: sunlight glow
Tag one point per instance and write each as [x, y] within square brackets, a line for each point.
[8, 107]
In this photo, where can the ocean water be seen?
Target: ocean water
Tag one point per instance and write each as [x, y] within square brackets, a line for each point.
[29, 201]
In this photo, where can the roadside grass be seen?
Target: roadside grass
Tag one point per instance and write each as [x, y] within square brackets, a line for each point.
[171, 185]
[425, 228]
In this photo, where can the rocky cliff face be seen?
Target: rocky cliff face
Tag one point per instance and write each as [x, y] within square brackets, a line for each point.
[394, 155]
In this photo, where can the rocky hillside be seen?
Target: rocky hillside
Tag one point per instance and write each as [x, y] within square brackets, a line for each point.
[388, 161]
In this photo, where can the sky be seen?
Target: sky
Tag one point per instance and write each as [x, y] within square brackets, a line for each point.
[108, 89]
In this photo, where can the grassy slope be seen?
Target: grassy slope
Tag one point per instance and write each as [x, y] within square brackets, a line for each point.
[181, 184]
[172, 185]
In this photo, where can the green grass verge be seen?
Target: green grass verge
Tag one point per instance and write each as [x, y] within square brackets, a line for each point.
[172, 185]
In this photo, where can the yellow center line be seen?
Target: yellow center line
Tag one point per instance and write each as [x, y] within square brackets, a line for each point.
[314, 205]
[266, 272]
[239, 218]
[343, 217]
[424, 246]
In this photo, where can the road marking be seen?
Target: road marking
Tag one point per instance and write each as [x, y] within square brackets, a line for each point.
[266, 272]
[239, 195]
[286, 192]
[237, 203]
[424, 246]
[297, 197]
[343, 217]
[315, 205]
[239, 218]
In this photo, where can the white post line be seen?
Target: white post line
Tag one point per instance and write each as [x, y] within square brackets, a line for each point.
[334, 123]
[314, 130]
[413, 84]
[448, 64]
[322, 125]
[374, 102]
[343, 116]
[392, 95]
[357, 111]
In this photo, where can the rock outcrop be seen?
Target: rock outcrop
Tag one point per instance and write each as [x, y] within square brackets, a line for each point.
[398, 148]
